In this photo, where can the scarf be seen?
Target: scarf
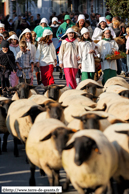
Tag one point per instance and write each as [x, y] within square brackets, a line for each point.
[50, 41]
[88, 39]
[70, 40]
[14, 45]
[66, 26]
[107, 39]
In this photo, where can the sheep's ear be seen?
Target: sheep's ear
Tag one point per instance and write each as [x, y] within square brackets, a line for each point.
[47, 137]
[77, 117]
[61, 86]
[33, 110]
[69, 146]
[96, 148]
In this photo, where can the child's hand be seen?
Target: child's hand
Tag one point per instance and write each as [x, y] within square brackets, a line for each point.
[38, 65]
[92, 51]
[61, 66]
[78, 58]
[127, 52]
[79, 66]
[55, 62]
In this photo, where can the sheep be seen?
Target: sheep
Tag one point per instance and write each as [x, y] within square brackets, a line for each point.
[44, 146]
[23, 90]
[40, 99]
[51, 110]
[89, 160]
[5, 103]
[118, 134]
[77, 99]
[116, 81]
[90, 86]
[53, 91]
[93, 120]
[122, 91]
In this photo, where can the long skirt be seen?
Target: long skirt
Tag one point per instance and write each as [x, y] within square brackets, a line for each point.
[47, 75]
[70, 76]
[108, 73]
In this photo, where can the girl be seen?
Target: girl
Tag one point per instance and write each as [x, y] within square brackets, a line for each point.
[46, 57]
[7, 63]
[27, 37]
[86, 50]
[54, 27]
[106, 47]
[1, 38]
[37, 69]
[68, 56]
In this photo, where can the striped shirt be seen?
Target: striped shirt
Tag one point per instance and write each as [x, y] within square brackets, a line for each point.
[24, 60]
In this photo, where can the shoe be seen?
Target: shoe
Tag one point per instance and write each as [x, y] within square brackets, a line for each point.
[122, 73]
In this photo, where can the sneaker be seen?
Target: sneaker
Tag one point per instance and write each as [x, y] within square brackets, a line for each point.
[122, 73]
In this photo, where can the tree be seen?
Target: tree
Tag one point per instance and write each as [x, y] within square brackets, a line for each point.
[119, 8]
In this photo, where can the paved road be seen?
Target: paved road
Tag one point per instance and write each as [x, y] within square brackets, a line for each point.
[15, 171]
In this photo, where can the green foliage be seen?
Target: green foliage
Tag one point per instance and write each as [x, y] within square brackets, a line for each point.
[119, 8]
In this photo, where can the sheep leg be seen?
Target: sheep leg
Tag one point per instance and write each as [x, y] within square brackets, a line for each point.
[78, 188]
[0, 146]
[66, 183]
[101, 190]
[56, 177]
[4, 146]
[49, 173]
[113, 186]
[16, 154]
[32, 174]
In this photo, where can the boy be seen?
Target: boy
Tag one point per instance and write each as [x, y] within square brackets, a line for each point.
[25, 63]
[2, 28]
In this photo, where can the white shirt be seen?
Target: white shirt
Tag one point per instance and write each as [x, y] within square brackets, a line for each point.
[97, 35]
[15, 50]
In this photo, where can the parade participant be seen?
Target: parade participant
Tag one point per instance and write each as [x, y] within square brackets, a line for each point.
[7, 63]
[54, 27]
[41, 27]
[109, 20]
[86, 50]
[106, 47]
[68, 56]
[46, 57]
[2, 28]
[97, 35]
[34, 39]
[14, 44]
[81, 21]
[1, 39]
[24, 60]
[64, 26]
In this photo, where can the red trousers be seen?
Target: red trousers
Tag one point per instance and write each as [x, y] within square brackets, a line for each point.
[70, 76]
[47, 75]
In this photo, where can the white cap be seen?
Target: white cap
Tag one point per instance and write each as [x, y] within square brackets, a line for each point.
[54, 19]
[102, 19]
[2, 25]
[81, 17]
[13, 37]
[44, 20]
[47, 32]
[2, 35]
[25, 31]
[69, 30]
[84, 30]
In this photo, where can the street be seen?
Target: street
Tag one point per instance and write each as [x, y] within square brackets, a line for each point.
[15, 171]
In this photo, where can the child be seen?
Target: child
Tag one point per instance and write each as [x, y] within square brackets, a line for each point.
[27, 37]
[127, 48]
[54, 27]
[7, 63]
[106, 47]
[37, 69]
[24, 60]
[6, 35]
[68, 56]
[1, 38]
[46, 57]
[86, 50]
[2, 26]
[11, 33]
[14, 44]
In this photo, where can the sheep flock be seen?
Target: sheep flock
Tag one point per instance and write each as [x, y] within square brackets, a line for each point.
[85, 131]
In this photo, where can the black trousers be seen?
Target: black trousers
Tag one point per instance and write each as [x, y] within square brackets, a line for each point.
[4, 77]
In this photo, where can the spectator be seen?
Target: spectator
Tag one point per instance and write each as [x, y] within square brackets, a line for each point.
[38, 20]
[116, 28]
[54, 28]
[11, 25]
[75, 19]
[24, 24]
[6, 35]
[97, 16]
[93, 21]
[32, 23]
[17, 26]
[109, 20]
[6, 22]
[14, 18]
[88, 26]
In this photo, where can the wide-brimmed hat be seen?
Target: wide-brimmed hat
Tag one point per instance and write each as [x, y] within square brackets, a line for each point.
[25, 31]
[108, 17]
[47, 33]
[67, 17]
[81, 17]
[84, 30]
[13, 37]
[54, 19]
[69, 30]
[102, 19]
[44, 20]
